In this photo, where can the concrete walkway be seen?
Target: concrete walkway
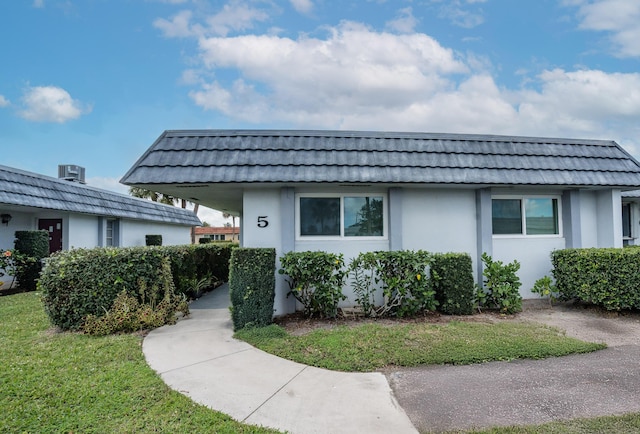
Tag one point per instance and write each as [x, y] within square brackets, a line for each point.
[199, 358]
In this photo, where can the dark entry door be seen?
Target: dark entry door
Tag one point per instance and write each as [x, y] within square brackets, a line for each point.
[54, 227]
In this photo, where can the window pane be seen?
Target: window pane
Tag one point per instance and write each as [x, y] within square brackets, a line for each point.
[506, 216]
[626, 220]
[541, 216]
[363, 216]
[320, 216]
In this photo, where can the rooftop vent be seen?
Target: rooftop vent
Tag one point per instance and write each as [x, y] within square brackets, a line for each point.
[71, 172]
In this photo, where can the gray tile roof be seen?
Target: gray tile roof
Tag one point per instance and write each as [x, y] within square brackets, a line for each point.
[19, 187]
[259, 156]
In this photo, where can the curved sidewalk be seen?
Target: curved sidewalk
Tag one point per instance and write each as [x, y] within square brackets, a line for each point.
[199, 357]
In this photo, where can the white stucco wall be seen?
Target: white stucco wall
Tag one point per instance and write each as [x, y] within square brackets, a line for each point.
[132, 233]
[439, 221]
[259, 206]
[431, 219]
[79, 231]
[533, 254]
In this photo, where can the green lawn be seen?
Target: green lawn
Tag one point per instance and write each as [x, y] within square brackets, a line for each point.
[374, 346]
[626, 424]
[67, 382]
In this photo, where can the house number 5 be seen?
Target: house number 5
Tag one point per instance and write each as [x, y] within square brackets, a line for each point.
[262, 221]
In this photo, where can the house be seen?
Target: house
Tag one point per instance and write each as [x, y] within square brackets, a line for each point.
[348, 192]
[224, 233]
[77, 215]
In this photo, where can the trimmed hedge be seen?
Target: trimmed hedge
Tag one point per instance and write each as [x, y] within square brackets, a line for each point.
[81, 282]
[196, 262]
[31, 246]
[252, 283]
[452, 277]
[605, 277]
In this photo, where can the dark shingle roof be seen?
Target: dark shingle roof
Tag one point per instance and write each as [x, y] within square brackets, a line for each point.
[18, 187]
[258, 156]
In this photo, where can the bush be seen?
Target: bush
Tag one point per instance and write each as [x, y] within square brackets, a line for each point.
[315, 279]
[30, 248]
[364, 282]
[81, 282]
[194, 265]
[452, 277]
[501, 286]
[153, 240]
[127, 314]
[407, 288]
[403, 277]
[544, 287]
[252, 287]
[605, 277]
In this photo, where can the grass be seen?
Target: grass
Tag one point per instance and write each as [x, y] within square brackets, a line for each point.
[374, 346]
[629, 423]
[68, 382]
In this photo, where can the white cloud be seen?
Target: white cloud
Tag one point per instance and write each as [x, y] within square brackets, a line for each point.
[405, 22]
[178, 27]
[50, 104]
[323, 80]
[587, 103]
[302, 6]
[354, 77]
[4, 102]
[461, 14]
[621, 18]
[235, 16]
[38, 4]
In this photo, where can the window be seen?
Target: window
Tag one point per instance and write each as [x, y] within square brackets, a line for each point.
[112, 233]
[347, 216]
[525, 216]
[626, 221]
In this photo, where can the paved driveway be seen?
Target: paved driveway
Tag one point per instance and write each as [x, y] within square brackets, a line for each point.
[525, 392]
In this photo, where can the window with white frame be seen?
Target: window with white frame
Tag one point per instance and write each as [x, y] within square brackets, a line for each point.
[341, 215]
[112, 233]
[525, 215]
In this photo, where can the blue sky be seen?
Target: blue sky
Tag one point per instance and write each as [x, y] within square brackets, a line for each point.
[95, 82]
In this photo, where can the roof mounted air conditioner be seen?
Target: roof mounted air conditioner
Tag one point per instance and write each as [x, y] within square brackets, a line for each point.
[71, 172]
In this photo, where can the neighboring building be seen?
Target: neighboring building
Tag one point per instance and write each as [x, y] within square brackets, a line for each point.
[77, 215]
[348, 192]
[224, 233]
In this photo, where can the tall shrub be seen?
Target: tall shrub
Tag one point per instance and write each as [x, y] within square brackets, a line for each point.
[315, 279]
[252, 286]
[79, 282]
[452, 276]
[31, 247]
[606, 277]
[402, 276]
